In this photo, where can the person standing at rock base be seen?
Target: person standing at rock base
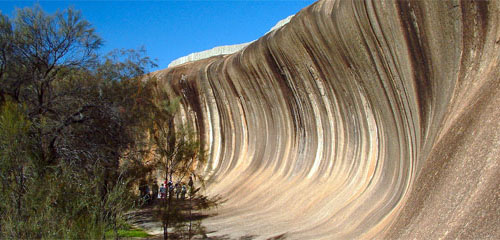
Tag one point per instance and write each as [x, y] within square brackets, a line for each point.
[155, 191]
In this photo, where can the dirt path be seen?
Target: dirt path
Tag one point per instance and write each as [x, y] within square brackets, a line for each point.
[146, 218]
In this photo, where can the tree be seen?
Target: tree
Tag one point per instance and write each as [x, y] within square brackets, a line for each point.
[75, 128]
[178, 152]
[38, 49]
[71, 129]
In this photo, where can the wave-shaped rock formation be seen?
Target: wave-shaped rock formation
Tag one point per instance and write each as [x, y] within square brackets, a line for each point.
[357, 119]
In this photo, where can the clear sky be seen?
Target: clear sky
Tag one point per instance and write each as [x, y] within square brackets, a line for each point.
[171, 29]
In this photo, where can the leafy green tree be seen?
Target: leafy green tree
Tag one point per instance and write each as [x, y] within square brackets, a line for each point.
[72, 133]
[75, 129]
[38, 50]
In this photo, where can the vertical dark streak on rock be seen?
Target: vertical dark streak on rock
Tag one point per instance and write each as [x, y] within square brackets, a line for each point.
[410, 15]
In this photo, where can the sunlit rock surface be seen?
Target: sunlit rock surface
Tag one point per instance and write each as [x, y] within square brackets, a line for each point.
[357, 119]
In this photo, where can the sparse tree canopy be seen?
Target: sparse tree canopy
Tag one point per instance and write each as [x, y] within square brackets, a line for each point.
[75, 128]
[71, 128]
[37, 46]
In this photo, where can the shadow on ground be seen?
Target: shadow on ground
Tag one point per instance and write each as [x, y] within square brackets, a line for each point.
[148, 218]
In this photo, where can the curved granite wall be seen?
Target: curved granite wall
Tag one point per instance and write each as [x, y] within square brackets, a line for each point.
[357, 119]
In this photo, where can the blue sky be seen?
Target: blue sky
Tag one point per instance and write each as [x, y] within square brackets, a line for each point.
[172, 29]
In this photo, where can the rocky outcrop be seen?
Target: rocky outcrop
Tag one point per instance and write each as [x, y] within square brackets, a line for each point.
[357, 119]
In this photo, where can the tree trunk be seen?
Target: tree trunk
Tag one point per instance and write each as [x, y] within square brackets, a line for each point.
[190, 213]
[167, 218]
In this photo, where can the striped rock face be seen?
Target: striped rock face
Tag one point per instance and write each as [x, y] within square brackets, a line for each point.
[357, 119]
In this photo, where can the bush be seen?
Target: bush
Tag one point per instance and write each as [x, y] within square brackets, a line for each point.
[71, 134]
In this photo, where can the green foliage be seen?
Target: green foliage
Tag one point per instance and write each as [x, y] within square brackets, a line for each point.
[14, 142]
[71, 129]
[128, 233]
[35, 205]
[15, 156]
[75, 129]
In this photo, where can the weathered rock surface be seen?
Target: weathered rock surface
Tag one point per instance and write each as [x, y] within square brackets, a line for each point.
[357, 119]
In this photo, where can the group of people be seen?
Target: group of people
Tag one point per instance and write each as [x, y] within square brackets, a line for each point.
[166, 189]
[179, 190]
